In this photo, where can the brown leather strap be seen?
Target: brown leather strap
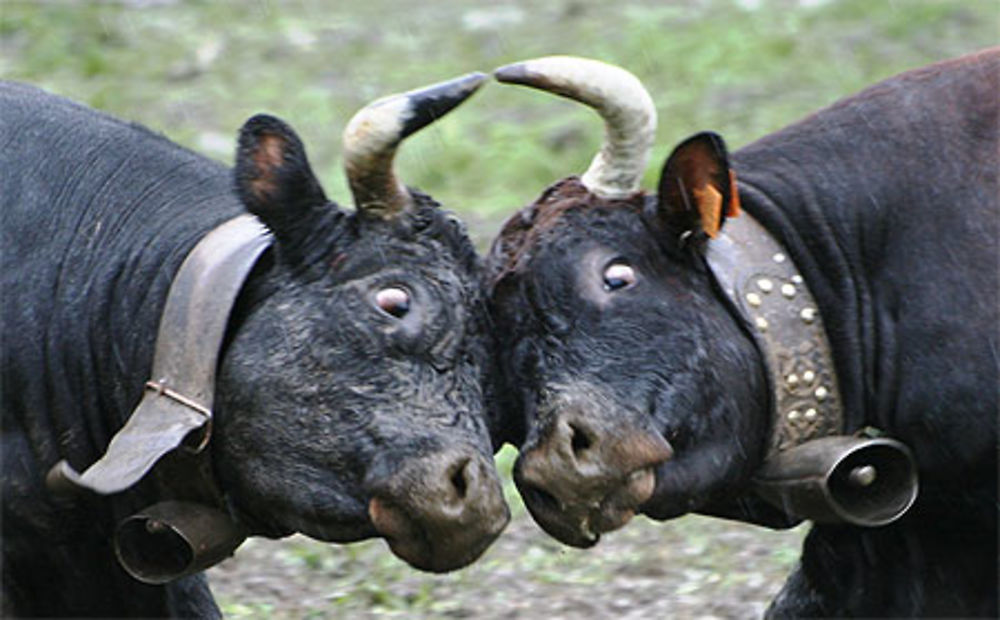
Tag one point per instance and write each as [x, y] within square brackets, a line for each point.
[762, 281]
[180, 393]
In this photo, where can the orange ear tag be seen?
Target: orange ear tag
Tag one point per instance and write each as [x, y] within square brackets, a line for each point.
[709, 203]
[734, 197]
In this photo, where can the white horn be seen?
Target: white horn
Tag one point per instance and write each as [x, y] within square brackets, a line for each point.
[372, 135]
[621, 100]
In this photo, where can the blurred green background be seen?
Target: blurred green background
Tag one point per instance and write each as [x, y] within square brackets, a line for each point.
[195, 70]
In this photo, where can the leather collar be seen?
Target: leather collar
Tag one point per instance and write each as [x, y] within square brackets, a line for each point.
[180, 393]
[771, 296]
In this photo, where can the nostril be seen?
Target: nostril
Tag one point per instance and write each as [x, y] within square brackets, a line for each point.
[459, 477]
[580, 440]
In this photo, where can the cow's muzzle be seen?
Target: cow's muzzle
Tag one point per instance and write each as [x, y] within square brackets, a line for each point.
[580, 480]
[442, 511]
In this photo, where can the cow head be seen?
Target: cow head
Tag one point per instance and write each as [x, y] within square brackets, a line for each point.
[628, 385]
[350, 399]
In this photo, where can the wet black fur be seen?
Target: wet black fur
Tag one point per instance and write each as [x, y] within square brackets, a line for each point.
[888, 204]
[665, 348]
[319, 393]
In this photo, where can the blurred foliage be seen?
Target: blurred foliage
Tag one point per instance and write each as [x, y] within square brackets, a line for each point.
[195, 70]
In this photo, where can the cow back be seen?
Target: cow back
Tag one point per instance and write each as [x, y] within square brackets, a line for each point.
[888, 202]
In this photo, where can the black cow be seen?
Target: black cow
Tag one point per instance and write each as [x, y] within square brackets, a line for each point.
[348, 400]
[639, 368]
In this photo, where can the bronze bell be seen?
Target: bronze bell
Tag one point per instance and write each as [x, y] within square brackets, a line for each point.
[173, 539]
[841, 479]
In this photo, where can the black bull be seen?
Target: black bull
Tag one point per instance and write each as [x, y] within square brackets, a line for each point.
[348, 402]
[638, 383]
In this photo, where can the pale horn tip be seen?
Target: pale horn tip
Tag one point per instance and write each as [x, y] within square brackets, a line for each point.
[514, 73]
[617, 95]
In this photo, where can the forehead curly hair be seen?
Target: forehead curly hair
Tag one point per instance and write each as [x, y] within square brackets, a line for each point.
[429, 220]
[522, 232]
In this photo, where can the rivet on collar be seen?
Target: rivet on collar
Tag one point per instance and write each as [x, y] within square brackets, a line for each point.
[750, 265]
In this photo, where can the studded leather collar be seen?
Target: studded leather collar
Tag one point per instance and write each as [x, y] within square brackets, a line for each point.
[770, 294]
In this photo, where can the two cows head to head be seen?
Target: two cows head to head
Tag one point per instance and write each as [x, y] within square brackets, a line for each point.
[637, 373]
[370, 364]
[616, 361]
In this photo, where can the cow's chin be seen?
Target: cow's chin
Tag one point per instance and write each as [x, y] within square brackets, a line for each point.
[690, 481]
[338, 531]
[581, 525]
[429, 548]
[428, 551]
[311, 522]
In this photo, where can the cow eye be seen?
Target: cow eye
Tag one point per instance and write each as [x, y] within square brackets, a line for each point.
[618, 275]
[393, 300]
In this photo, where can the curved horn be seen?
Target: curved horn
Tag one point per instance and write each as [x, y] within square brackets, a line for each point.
[621, 100]
[372, 135]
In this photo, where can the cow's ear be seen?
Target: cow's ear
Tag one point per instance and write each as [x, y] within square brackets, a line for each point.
[274, 180]
[697, 189]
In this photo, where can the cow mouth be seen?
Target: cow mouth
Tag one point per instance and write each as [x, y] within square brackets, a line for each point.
[436, 548]
[580, 523]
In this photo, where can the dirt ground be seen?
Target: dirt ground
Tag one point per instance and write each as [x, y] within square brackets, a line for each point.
[694, 567]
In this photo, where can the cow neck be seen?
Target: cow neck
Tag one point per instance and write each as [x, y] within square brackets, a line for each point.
[180, 392]
[770, 295]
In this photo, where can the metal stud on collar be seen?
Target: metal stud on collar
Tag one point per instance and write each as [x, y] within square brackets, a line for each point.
[766, 287]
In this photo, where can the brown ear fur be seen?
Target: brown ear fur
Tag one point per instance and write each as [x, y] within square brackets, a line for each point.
[273, 177]
[697, 189]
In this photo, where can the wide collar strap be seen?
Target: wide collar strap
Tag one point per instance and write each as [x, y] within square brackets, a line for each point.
[770, 294]
[180, 393]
